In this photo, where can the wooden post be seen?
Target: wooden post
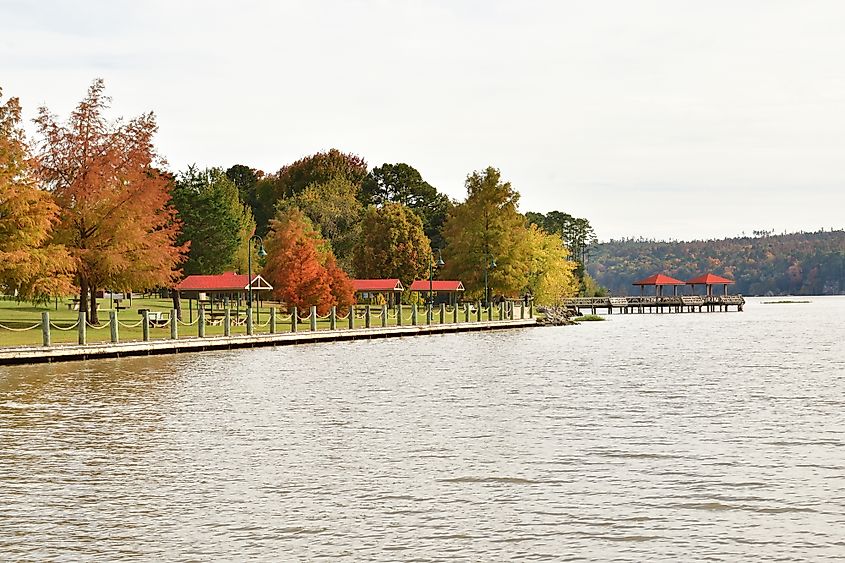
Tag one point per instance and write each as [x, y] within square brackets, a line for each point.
[522, 310]
[201, 322]
[313, 318]
[272, 320]
[82, 335]
[113, 326]
[442, 313]
[399, 314]
[45, 328]
[145, 324]
[489, 312]
[367, 316]
[478, 311]
[294, 320]
[455, 313]
[466, 312]
[333, 318]
[351, 317]
[384, 315]
[174, 324]
[414, 314]
[531, 310]
[249, 325]
[227, 322]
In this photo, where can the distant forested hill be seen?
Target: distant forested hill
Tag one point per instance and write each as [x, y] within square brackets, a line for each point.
[794, 264]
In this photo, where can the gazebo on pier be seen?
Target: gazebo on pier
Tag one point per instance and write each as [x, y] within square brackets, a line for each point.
[708, 281]
[659, 281]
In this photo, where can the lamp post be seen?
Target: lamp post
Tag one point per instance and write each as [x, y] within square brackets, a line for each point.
[489, 264]
[431, 264]
[261, 254]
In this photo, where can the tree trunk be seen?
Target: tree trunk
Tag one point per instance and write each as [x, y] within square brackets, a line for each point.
[93, 315]
[83, 293]
[177, 303]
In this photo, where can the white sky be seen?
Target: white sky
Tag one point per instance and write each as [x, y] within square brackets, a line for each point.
[668, 119]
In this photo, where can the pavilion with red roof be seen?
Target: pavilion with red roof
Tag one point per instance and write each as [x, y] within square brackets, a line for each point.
[709, 280]
[659, 281]
[368, 290]
[227, 285]
[445, 291]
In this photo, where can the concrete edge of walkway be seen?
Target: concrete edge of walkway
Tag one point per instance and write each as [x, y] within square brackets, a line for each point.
[63, 353]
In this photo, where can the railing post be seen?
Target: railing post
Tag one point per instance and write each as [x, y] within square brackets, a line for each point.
[384, 315]
[414, 314]
[442, 313]
[367, 317]
[531, 310]
[272, 320]
[227, 322]
[174, 325]
[478, 311]
[294, 319]
[399, 314]
[522, 310]
[351, 320]
[428, 313]
[466, 312]
[113, 326]
[455, 313]
[249, 326]
[333, 318]
[313, 318]
[45, 328]
[145, 324]
[82, 335]
[201, 323]
[490, 312]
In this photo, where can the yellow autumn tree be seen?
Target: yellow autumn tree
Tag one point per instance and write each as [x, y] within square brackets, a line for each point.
[551, 273]
[29, 266]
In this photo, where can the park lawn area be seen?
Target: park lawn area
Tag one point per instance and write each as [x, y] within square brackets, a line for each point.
[20, 315]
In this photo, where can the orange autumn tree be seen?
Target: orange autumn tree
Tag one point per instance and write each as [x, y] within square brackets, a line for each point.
[301, 266]
[115, 214]
[29, 266]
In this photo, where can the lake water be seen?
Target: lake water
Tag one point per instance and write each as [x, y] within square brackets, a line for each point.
[674, 437]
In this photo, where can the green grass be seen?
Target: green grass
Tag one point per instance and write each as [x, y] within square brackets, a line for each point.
[23, 315]
[589, 318]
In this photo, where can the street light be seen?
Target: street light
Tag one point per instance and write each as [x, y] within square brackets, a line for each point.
[431, 264]
[261, 254]
[489, 264]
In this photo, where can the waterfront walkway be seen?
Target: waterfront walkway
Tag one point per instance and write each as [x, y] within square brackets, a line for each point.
[45, 354]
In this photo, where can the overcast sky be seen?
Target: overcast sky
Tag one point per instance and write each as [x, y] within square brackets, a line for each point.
[668, 119]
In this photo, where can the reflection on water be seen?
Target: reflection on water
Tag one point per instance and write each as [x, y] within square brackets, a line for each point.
[658, 437]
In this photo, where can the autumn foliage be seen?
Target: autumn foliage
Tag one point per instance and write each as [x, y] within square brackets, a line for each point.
[301, 266]
[115, 215]
[29, 265]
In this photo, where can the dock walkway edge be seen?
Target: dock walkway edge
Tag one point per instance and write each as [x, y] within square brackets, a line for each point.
[49, 354]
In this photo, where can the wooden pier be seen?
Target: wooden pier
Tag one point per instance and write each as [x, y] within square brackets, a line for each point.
[657, 304]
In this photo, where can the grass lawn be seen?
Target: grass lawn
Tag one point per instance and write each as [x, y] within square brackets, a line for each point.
[15, 316]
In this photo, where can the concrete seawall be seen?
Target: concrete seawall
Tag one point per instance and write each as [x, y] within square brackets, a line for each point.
[46, 354]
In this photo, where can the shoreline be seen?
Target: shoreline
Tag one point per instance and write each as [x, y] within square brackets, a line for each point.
[66, 353]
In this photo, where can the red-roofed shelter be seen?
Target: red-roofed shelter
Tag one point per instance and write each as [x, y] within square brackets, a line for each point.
[366, 291]
[659, 281]
[445, 291]
[229, 284]
[709, 280]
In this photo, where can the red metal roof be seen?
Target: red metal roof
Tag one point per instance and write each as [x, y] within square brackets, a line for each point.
[709, 279]
[390, 284]
[437, 285]
[229, 281]
[659, 279]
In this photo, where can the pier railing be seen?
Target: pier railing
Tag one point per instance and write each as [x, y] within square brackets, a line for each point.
[651, 301]
[167, 326]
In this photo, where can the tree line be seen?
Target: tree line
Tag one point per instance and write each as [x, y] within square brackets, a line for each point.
[90, 205]
[767, 264]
